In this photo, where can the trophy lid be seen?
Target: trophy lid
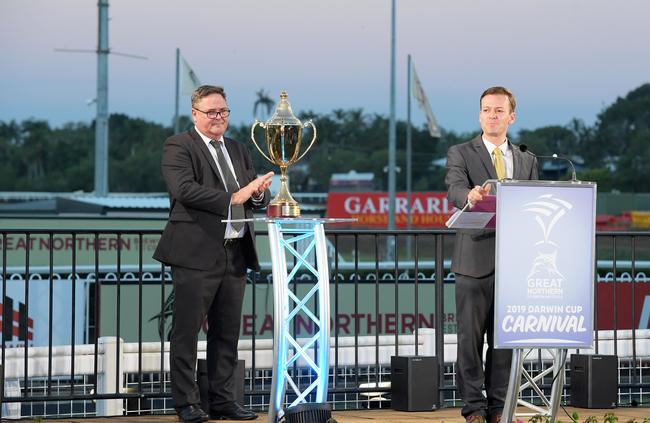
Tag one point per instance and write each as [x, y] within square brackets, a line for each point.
[283, 114]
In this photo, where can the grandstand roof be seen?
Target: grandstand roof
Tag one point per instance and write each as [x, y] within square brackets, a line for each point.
[57, 203]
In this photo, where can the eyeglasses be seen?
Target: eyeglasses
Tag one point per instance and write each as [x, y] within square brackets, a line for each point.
[213, 114]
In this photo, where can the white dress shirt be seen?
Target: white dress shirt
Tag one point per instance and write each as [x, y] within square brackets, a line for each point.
[230, 232]
[506, 152]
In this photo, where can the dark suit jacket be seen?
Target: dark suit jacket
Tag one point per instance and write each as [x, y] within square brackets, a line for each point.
[469, 164]
[194, 234]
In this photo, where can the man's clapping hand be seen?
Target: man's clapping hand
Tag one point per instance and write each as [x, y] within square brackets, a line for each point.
[255, 188]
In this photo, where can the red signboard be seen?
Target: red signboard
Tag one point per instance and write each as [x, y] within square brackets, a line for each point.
[428, 209]
[632, 311]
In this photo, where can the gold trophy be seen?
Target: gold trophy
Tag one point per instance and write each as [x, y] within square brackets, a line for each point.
[283, 139]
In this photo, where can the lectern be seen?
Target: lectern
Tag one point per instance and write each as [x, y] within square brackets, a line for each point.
[544, 275]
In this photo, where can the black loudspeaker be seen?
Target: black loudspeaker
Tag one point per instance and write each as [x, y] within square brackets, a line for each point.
[202, 381]
[594, 381]
[414, 383]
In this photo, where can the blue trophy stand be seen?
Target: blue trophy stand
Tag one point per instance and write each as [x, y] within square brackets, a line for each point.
[285, 235]
[297, 240]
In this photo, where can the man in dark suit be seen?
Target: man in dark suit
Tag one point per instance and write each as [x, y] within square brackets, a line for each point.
[210, 178]
[488, 156]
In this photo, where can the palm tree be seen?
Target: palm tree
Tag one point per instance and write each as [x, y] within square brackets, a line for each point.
[263, 102]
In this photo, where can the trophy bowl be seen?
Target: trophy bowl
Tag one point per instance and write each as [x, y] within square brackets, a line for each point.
[283, 135]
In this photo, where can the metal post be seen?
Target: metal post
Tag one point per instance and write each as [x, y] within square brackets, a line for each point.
[439, 313]
[516, 368]
[108, 381]
[558, 382]
[101, 120]
[409, 152]
[178, 87]
[391, 126]
[409, 158]
[515, 387]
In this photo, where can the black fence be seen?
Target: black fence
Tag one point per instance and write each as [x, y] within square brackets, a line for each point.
[73, 300]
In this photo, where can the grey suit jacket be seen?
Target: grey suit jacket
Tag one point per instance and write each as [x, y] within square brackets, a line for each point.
[469, 164]
[199, 201]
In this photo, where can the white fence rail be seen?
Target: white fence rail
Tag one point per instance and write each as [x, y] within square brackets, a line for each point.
[128, 357]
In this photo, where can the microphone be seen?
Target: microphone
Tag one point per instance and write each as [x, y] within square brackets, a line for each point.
[524, 149]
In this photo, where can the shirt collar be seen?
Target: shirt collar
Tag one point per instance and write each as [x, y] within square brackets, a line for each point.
[207, 139]
[490, 147]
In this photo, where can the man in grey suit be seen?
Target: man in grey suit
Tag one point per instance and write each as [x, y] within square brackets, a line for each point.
[210, 178]
[488, 156]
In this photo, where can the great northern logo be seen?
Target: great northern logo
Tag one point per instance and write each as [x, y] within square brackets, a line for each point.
[545, 279]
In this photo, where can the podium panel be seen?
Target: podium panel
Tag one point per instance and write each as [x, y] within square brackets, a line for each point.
[544, 280]
[544, 270]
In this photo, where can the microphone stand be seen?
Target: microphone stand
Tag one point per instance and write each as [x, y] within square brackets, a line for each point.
[524, 149]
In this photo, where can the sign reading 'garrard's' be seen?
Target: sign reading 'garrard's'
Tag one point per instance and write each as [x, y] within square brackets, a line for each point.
[427, 209]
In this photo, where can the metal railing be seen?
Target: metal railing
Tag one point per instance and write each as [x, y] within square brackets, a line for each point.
[69, 295]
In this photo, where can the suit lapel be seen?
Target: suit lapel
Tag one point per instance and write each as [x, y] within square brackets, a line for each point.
[232, 152]
[484, 156]
[207, 156]
[517, 163]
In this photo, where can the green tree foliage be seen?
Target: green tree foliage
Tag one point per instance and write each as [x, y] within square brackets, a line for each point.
[72, 161]
[264, 102]
[9, 139]
[135, 154]
[36, 157]
[351, 140]
[602, 175]
[549, 140]
[622, 141]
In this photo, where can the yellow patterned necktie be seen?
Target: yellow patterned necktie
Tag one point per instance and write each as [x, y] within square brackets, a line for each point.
[498, 163]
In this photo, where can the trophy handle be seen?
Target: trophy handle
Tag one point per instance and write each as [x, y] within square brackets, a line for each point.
[258, 122]
[313, 127]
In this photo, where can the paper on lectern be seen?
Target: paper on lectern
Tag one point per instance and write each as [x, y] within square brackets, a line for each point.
[480, 216]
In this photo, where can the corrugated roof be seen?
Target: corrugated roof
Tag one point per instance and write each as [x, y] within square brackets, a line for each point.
[27, 200]
[117, 202]
[352, 176]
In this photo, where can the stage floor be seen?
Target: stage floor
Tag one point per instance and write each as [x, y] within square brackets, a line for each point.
[447, 415]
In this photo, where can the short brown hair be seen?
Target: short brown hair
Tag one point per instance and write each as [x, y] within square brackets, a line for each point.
[204, 91]
[503, 91]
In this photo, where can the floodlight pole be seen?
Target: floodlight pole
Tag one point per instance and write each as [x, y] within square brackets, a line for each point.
[101, 119]
[392, 126]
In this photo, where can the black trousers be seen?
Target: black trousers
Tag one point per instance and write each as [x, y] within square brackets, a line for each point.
[475, 318]
[219, 294]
